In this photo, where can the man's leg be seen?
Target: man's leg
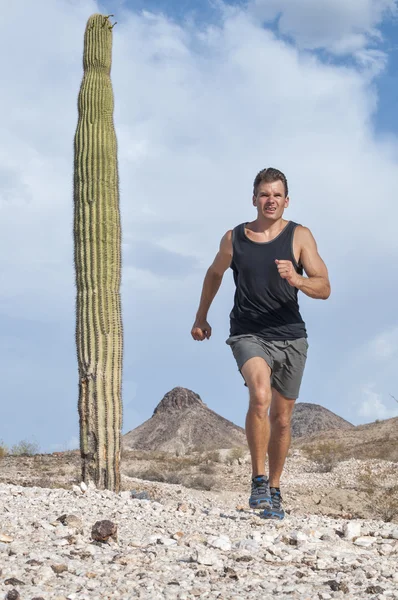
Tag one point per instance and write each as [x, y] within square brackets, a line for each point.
[279, 442]
[257, 373]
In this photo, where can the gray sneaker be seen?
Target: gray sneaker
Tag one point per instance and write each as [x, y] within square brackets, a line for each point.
[261, 495]
[276, 510]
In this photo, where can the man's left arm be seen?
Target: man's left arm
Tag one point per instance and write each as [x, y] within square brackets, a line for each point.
[316, 284]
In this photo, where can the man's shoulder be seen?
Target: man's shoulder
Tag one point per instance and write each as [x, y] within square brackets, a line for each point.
[302, 233]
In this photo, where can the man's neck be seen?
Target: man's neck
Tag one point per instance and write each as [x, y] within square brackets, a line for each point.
[269, 228]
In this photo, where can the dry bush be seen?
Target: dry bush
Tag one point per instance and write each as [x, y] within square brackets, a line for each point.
[326, 455]
[201, 482]
[381, 488]
[236, 453]
[25, 448]
[3, 449]
[213, 456]
[208, 469]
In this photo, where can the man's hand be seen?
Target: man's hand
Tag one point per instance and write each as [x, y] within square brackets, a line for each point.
[287, 271]
[201, 330]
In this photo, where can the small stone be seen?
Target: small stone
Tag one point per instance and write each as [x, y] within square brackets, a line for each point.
[12, 595]
[182, 507]
[103, 530]
[207, 558]
[70, 521]
[394, 534]
[34, 563]
[222, 542]
[351, 530]
[83, 487]
[337, 586]
[59, 568]
[14, 581]
[6, 539]
[231, 573]
[364, 541]
[139, 495]
[374, 589]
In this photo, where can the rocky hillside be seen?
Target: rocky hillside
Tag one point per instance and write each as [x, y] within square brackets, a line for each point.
[373, 440]
[182, 422]
[309, 419]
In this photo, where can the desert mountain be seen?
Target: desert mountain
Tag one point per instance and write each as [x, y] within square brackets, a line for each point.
[182, 422]
[309, 419]
[372, 440]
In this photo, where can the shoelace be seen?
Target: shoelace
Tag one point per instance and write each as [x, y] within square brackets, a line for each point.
[276, 499]
[260, 486]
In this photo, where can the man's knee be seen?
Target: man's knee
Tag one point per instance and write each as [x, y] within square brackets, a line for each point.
[260, 401]
[281, 420]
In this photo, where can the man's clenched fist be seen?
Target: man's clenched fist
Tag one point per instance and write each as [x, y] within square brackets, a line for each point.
[201, 330]
[287, 271]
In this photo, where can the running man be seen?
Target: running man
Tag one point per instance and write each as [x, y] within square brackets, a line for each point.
[268, 336]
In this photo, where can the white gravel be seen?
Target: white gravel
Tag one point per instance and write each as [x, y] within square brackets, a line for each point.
[190, 545]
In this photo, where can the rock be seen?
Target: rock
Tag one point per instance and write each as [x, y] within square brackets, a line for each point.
[206, 557]
[374, 589]
[59, 568]
[139, 495]
[364, 541]
[14, 581]
[12, 595]
[337, 586]
[351, 530]
[6, 539]
[71, 521]
[222, 542]
[102, 531]
[83, 487]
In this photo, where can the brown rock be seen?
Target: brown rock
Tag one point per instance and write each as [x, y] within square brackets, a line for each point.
[12, 595]
[103, 530]
[34, 563]
[59, 568]
[14, 581]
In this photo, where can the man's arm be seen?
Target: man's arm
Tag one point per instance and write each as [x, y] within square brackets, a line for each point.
[201, 329]
[316, 284]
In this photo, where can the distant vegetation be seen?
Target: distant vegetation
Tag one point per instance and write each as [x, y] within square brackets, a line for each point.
[23, 448]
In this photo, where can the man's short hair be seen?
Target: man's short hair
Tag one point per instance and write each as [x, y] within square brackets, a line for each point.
[269, 176]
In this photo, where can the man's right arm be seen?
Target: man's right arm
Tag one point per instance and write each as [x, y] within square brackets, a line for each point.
[201, 329]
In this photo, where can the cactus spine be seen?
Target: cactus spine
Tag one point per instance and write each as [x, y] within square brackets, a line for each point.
[97, 254]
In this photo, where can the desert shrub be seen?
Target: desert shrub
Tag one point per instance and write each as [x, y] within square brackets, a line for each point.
[3, 449]
[236, 453]
[201, 482]
[325, 455]
[381, 488]
[207, 468]
[25, 448]
[213, 456]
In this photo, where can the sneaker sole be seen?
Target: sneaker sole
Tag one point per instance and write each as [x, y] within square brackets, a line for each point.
[273, 515]
[260, 504]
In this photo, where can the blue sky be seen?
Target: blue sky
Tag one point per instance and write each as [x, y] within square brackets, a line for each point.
[205, 96]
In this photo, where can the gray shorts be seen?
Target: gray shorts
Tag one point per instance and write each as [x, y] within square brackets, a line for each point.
[286, 359]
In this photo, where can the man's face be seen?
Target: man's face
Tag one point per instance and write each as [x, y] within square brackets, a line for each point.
[271, 200]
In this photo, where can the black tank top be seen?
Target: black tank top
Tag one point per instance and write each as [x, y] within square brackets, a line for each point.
[264, 303]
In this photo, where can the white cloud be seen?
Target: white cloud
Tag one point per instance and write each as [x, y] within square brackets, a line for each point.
[372, 406]
[338, 26]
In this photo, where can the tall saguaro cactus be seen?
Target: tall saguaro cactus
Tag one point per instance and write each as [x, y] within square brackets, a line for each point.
[97, 253]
